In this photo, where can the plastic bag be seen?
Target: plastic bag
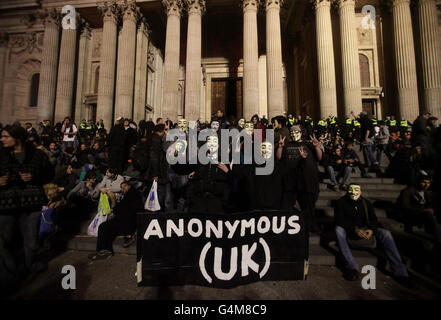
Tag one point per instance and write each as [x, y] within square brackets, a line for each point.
[152, 202]
[104, 205]
[46, 222]
[101, 216]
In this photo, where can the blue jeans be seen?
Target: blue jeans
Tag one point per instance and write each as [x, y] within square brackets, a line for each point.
[28, 224]
[334, 176]
[384, 237]
[368, 153]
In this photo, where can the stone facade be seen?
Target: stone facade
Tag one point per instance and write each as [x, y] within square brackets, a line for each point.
[185, 58]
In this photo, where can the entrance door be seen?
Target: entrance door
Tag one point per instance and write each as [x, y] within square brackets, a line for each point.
[91, 112]
[369, 106]
[226, 95]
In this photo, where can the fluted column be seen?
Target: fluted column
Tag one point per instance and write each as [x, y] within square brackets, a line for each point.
[81, 72]
[431, 57]
[49, 63]
[274, 59]
[405, 60]
[193, 64]
[3, 50]
[351, 65]
[106, 82]
[125, 75]
[325, 59]
[250, 59]
[170, 97]
[66, 74]
[142, 43]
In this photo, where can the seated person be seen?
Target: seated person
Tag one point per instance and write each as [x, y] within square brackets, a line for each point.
[337, 168]
[123, 223]
[355, 219]
[81, 196]
[111, 185]
[350, 158]
[416, 206]
[65, 179]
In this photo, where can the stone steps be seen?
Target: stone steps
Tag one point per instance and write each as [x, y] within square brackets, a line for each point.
[371, 186]
[363, 181]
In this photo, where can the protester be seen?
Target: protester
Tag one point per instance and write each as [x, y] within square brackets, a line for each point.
[355, 219]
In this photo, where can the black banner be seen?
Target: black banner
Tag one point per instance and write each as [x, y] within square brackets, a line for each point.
[221, 251]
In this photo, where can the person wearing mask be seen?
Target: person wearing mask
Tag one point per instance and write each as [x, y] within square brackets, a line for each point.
[355, 220]
[23, 172]
[302, 179]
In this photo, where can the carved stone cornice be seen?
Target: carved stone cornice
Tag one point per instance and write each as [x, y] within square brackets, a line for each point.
[343, 3]
[173, 7]
[85, 29]
[110, 11]
[320, 3]
[30, 42]
[195, 6]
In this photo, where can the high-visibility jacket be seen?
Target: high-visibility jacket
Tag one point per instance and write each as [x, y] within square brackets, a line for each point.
[291, 121]
[322, 123]
[393, 123]
[100, 126]
[403, 123]
[349, 121]
[356, 123]
[374, 122]
[332, 120]
[82, 126]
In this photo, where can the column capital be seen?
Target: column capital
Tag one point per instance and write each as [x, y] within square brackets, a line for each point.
[85, 29]
[130, 11]
[51, 17]
[420, 2]
[144, 26]
[394, 3]
[273, 4]
[195, 6]
[250, 4]
[109, 11]
[173, 7]
[344, 3]
[320, 3]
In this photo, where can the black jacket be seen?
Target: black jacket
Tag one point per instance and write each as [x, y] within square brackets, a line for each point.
[409, 201]
[116, 138]
[125, 211]
[351, 214]
[262, 191]
[158, 161]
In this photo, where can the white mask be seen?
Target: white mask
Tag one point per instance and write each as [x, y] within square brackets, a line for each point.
[215, 125]
[267, 150]
[182, 125]
[213, 144]
[354, 192]
[296, 133]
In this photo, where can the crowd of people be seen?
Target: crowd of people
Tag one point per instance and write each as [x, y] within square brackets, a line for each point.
[80, 163]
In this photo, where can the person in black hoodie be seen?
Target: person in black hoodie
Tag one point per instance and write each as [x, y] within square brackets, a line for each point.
[123, 223]
[25, 169]
[210, 187]
[355, 219]
[263, 192]
[301, 181]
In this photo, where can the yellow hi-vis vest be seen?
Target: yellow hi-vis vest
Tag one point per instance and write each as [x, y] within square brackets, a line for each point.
[403, 123]
[332, 120]
[393, 123]
[291, 121]
[356, 123]
[322, 123]
[348, 121]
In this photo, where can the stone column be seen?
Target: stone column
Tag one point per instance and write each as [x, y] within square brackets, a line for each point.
[106, 82]
[142, 43]
[325, 59]
[431, 57]
[350, 63]
[274, 59]
[250, 59]
[81, 73]
[66, 74]
[405, 60]
[193, 64]
[3, 50]
[49, 63]
[125, 75]
[170, 97]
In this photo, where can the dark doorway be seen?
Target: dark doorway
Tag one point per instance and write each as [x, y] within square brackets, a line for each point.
[91, 115]
[226, 94]
[369, 106]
